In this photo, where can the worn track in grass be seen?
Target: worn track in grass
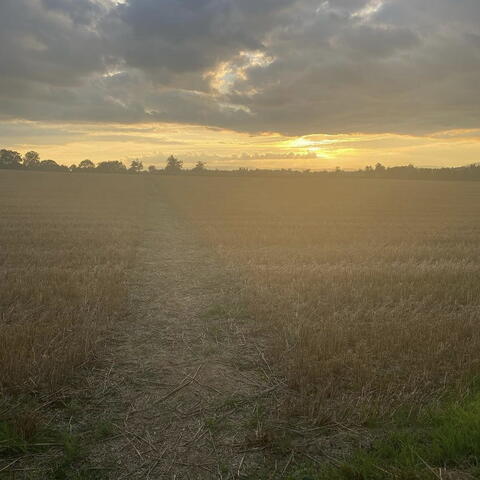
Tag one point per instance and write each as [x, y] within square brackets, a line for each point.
[183, 385]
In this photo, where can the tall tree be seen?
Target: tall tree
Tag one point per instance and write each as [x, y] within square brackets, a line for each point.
[31, 159]
[174, 165]
[136, 166]
[111, 167]
[51, 165]
[10, 159]
[86, 165]
[199, 167]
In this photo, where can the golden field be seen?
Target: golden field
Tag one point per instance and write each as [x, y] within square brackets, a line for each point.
[362, 296]
[371, 286]
[65, 244]
[369, 290]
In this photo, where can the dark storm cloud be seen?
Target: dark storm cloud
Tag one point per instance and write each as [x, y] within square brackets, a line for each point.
[40, 41]
[364, 70]
[176, 41]
[84, 12]
[293, 66]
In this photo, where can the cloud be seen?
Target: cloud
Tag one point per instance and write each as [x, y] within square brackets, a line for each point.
[176, 37]
[17, 133]
[135, 139]
[296, 67]
[43, 42]
[246, 159]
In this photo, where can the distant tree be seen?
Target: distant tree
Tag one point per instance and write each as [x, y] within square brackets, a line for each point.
[113, 166]
[174, 165]
[51, 165]
[200, 167]
[10, 159]
[31, 160]
[136, 166]
[86, 165]
[379, 168]
[152, 169]
[73, 168]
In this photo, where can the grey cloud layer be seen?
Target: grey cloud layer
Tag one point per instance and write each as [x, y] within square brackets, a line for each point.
[406, 66]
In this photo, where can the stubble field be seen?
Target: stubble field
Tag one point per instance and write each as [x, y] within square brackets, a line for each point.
[368, 293]
[370, 288]
[365, 291]
[65, 244]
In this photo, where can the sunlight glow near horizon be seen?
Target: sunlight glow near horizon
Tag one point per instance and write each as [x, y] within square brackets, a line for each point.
[222, 148]
[290, 84]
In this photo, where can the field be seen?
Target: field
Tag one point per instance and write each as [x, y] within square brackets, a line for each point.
[370, 287]
[369, 294]
[65, 245]
[363, 295]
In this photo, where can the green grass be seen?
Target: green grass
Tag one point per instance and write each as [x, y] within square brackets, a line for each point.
[443, 442]
[65, 453]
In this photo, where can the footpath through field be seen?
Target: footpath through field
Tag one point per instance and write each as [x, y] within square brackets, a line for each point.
[183, 384]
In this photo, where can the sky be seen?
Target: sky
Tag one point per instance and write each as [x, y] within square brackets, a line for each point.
[253, 83]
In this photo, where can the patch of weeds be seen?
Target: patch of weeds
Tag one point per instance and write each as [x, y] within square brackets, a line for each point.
[442, 439]
[215, 424]
[71, 465]
[103, 430]
[26, 433]
[234, 401]
[72, 407]
[72, 447]
[66, 471]
[224, 468]
[303, 472]
[22, 433]
[257, 417]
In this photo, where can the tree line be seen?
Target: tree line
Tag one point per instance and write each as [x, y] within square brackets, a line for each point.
[10, 159]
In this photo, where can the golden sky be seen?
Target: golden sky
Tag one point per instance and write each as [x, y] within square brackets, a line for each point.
[222, 148]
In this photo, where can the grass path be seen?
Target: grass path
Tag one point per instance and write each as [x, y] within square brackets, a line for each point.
[181, 394]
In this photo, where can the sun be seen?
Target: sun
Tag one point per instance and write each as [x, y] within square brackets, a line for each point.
[302, 142]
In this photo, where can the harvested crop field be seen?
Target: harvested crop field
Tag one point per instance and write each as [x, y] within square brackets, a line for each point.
[66, 242]
[350, 305]
[370, 287]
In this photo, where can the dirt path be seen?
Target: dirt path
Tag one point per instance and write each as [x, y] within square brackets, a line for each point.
[183, 389]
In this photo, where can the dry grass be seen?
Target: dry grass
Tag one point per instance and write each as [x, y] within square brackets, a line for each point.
[369, 288]
[65, 244]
